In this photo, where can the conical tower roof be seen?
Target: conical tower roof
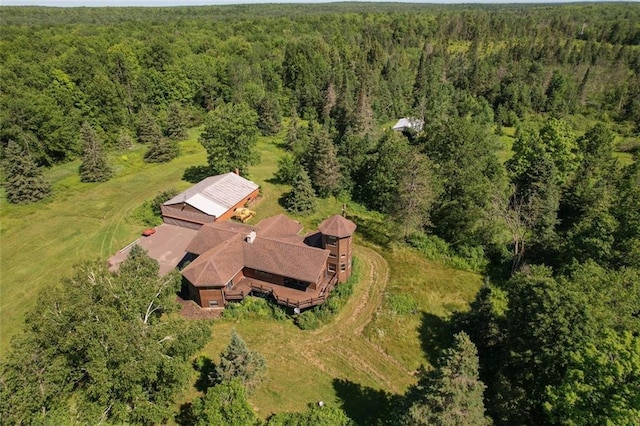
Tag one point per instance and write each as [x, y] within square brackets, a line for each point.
[337, 226]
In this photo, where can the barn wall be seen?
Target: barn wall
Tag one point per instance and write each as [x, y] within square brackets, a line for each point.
[187, 217]
[229, 213]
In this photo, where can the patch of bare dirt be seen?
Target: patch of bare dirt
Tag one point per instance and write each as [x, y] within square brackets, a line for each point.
[191, 310]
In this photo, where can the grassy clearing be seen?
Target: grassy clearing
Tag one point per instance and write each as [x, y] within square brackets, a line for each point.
[42, 242]
[420, 296]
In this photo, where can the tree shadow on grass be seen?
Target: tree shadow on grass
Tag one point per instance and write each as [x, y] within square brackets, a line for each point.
[206, 367]
[435, 336]
[195, 174]
[364, 405]
[373, 230]
[185, 416]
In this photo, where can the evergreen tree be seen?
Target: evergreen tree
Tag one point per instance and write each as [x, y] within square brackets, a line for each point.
[125, 141]
[229, 136]
[24, 180]
[322, 162]
[161, 151]
[148, 129]
[238, 362]
[302, 198]
[176, 122]
[294, 132]
[94, 167]
[288, 169]
[269, 117]
[451, 395]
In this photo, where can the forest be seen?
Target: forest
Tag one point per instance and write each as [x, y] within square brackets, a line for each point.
[524, 168]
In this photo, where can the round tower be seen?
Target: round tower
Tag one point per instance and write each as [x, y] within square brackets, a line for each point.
[337, 237]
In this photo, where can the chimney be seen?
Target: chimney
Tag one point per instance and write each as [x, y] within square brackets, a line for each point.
[251, 236]
[236, 171]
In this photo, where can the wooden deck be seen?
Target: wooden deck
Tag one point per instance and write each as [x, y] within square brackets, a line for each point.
[285, 296]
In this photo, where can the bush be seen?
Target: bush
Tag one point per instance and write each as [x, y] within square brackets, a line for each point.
[402, 304]
[255, 307]
[315, 317]
[467, 258]
[150, 213]
[307, 320]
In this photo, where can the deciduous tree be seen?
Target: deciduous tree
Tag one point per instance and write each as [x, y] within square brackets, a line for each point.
[229, 136]
[224, 404]
[601, 385]
[104, 341]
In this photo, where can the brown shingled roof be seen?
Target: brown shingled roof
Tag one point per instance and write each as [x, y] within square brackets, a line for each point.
[217, 266]
[279, 225]
[277, 249]
[296, 261]
[212, 234]
[337, 226]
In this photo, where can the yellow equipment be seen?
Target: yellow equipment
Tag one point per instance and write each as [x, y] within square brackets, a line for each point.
[243, 214]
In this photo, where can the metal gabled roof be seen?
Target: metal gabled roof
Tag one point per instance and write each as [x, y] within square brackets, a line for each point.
[215, 195]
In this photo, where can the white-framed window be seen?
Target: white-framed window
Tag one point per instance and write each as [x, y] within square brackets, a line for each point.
[213, 303]
[331, 267]
[343, 267]
[331, 240]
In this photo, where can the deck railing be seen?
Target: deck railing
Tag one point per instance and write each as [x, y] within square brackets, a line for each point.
[291, 303]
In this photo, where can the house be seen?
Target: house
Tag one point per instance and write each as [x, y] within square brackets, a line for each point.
[271, 259]
[213, 199]
[409, 124]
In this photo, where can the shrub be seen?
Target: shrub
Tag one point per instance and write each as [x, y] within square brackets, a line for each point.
[402, 304]
[255, 307]
[150, 213]
[467, 258]
[315, 317]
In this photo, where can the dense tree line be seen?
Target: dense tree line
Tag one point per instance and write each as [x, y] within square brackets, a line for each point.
[350, 70]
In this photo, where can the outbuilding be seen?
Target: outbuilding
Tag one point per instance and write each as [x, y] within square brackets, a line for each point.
[210, 200]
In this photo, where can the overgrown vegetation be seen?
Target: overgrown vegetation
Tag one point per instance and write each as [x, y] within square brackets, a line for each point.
[257, 307]
[150, 213]
[317, 316]
[435, 248]
[254, 307]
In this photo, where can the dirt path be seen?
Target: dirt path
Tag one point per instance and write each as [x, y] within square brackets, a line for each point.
[344, 337]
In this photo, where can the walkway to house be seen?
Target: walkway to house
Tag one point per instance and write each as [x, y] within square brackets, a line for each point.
[167, 246]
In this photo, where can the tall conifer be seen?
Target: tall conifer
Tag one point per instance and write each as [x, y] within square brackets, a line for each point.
[25, 183]
[94, 167]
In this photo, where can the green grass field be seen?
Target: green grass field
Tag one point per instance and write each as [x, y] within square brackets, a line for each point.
[367, 353]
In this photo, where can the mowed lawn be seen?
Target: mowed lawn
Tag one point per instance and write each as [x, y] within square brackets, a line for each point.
[40, 243]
